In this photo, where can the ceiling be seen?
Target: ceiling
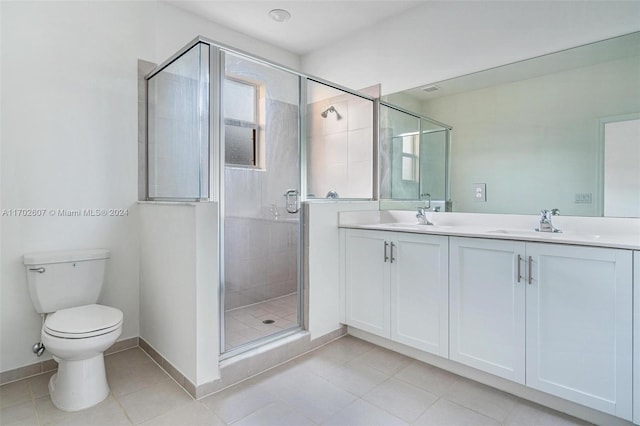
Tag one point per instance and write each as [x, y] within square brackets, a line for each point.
[314, 24]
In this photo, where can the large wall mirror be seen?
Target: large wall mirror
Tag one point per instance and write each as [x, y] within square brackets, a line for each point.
[556, 131]
[414, 152]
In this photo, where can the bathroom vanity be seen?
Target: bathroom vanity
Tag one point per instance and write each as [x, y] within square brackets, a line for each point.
[551, 312]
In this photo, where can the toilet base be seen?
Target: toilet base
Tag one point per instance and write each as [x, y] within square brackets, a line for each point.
[79, 384]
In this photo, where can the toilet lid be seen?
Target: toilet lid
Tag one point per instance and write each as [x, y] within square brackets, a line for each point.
[83, 321]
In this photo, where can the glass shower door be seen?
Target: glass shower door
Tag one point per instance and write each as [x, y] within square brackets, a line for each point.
[260, 206]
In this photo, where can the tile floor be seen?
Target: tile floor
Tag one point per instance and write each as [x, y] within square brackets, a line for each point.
[347, 382]
[245, 324]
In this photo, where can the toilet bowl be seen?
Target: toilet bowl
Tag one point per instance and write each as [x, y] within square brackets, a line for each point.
[65, 286]
[77, 338]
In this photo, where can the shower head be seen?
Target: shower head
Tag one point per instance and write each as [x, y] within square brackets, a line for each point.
[328, 110]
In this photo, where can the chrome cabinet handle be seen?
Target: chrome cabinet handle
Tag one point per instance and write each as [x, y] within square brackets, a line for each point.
[519, 271]
[386, 244]
[392, 247]
[530, 269]
[38, 270]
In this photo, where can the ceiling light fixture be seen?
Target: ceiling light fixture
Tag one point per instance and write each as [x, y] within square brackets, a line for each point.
[279, 15]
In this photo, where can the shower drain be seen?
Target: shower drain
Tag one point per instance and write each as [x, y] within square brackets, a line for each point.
[268, 321]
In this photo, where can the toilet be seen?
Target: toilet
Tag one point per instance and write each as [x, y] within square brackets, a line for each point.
[66, 285]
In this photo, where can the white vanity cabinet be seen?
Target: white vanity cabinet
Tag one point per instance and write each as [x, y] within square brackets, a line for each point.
[486, 305]
[557, 318]
[579, 325]
[396, 287]
[367, 276]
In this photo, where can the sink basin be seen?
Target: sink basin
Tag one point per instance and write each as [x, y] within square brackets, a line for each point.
[514, 231]
[412, 225]
[562, 235]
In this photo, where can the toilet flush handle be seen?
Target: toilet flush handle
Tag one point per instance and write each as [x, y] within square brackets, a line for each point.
[38, 270]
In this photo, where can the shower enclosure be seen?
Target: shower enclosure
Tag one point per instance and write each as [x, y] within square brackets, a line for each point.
[225, 126]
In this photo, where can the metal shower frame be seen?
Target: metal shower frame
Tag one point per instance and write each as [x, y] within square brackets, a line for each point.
[216, 162]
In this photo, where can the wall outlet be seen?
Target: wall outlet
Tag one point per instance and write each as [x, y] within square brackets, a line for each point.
[480, 192]
[583, 198]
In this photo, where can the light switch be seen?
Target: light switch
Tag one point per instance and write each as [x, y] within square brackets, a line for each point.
[480, 192]
[583, 198]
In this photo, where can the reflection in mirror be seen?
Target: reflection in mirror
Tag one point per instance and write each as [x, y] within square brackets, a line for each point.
[538, 133]
[413, 158]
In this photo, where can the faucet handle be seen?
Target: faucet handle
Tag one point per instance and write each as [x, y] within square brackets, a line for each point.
[555, 212]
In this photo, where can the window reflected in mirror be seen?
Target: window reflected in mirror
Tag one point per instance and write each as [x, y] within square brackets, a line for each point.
[241, 123]
[414, 154]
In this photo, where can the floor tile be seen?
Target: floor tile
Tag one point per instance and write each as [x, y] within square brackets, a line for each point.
[445, 413]
[130, 378]
[23, 413]
[106, 413]
[40, 384]
[315, 397]
[14, 393]
[193, 413]
[323, 386]
[427, 377]
[401, 399]
[361, 413]
[382, 359]
[483, 399]
[357, 379]
[153, 400]
[127, 359]
[239, 401]
[345, 349]
[244, 324]
[276, 413]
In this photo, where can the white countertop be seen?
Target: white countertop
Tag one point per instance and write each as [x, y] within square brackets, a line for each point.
[585, 231]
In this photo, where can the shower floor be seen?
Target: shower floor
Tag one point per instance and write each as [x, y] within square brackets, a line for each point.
[246, 323]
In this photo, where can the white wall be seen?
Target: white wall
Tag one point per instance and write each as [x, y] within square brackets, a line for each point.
[439, 40]
[69, 139]
[178, 286]
[69, 113]
[323, 240]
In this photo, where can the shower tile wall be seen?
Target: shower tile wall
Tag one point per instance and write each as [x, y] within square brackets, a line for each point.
[341, 151]
[262, 248]
[259, 265]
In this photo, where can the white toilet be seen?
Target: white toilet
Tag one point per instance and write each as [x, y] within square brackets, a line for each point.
[66, 285]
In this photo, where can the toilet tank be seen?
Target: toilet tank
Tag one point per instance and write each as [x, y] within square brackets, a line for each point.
[64, 279]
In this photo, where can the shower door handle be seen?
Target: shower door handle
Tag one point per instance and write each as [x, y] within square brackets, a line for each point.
[292, 198]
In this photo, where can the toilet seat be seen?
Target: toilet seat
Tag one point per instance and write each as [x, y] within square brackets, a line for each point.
[82, 322]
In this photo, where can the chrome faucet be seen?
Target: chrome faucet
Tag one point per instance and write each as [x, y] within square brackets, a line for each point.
[545, 221]
[427, 203]
[422, 216]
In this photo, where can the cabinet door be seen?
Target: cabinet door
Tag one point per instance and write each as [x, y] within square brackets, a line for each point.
[486, 304]
[579, 325]
[419, 292]
[367, 281]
